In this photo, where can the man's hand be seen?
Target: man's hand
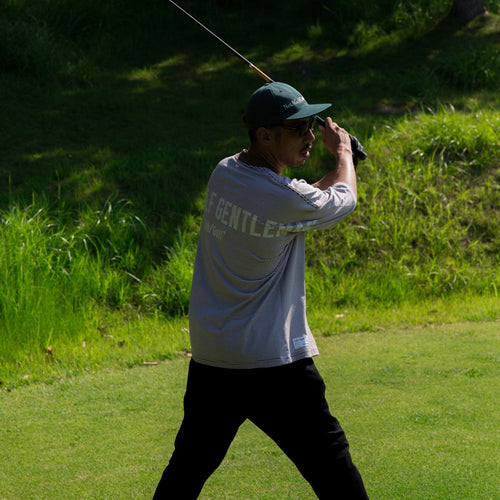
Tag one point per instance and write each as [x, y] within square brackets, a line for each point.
[338, 142]
[358, 153]
[336, 139]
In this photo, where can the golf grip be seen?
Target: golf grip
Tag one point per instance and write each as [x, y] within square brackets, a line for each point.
[358, 153]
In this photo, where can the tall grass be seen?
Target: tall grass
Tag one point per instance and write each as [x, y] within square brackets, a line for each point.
[54, 278]
[167, 288]
[33, 301]
[428, 215]
[427, 225]
[110, 101]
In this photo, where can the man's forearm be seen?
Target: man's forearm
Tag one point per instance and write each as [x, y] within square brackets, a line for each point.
[344, 172]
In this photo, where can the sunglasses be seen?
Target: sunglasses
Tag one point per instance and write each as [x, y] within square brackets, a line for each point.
[302, 128]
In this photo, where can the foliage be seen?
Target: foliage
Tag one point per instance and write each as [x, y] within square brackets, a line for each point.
[113, 116]
[425, 218]
[52, 276]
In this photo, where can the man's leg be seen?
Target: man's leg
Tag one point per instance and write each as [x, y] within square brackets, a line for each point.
[295, 414]
[211, 420]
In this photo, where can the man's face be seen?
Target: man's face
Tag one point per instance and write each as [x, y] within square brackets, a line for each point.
[290, 147]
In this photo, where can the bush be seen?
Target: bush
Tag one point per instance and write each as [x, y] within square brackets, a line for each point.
[29, 48]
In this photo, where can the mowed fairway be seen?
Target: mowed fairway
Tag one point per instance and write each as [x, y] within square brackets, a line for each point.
[419, 406]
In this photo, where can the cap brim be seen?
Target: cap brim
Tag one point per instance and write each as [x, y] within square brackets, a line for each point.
[309, 110]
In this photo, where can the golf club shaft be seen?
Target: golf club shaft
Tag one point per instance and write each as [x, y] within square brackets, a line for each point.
[357, 148]
[235, 52]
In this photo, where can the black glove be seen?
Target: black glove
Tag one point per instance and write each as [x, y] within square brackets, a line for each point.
[358, 153]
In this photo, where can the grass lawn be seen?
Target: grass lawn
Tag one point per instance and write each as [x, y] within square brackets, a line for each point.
[418, 405]
[113, 117]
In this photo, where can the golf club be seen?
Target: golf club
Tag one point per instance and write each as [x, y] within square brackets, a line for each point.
[358, 152]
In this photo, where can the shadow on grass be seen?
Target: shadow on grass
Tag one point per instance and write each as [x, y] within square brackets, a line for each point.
[160, 108]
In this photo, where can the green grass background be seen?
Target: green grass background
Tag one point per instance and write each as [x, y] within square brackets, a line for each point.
[419, 405]
[112, 116]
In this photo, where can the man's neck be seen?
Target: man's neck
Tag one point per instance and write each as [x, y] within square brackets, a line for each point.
[252, 157]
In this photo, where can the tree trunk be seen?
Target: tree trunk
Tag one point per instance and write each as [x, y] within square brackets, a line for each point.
[465, 10]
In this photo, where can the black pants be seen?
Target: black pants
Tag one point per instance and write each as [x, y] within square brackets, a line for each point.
[287, 402]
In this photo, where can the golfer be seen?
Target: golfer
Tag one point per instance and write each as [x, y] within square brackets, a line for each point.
[252, 349]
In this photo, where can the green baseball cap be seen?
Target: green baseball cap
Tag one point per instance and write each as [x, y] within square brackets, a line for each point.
[275, 102]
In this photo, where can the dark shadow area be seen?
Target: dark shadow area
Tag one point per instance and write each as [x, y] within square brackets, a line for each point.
[152, 102]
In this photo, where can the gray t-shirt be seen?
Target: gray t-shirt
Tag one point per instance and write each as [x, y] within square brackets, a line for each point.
[248, 303]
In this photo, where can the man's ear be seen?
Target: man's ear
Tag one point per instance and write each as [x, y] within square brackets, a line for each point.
[264, 135]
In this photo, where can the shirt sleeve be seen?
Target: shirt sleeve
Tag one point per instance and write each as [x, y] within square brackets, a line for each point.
[318, 209]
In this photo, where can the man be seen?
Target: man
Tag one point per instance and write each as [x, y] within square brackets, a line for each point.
[252, 348]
